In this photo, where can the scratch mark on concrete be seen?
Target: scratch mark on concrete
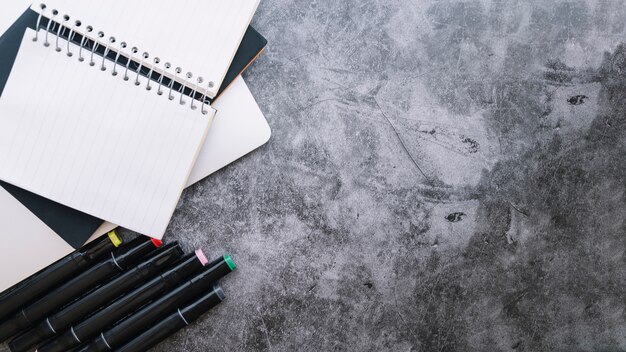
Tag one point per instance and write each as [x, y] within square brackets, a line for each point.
[395, 131]
[267, 335]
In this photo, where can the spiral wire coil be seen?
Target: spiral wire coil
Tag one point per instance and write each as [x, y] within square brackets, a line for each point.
[90, 44]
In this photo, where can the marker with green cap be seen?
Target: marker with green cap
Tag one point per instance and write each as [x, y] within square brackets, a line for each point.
[135, 324]
[229, 261]
[66, 292]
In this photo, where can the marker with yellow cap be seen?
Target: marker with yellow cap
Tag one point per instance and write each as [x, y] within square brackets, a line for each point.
[119, 261]
[100, 297]
[40, 283]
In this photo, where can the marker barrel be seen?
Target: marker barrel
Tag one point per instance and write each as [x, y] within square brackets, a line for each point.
[80, 284]
[88, 328]
[91, 302]
[36, 285]
[136, 323]
[174, 322]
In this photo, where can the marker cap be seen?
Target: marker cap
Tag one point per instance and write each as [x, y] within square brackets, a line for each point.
[230, 262]
[218, 291]
[201, 256]
[133, 250]
[115, 238]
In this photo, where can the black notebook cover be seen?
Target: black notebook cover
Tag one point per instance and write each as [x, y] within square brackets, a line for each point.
[73, 226]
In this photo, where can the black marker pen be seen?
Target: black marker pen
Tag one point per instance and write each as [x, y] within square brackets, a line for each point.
[87, 329]
[61, 320]
[119, 260]
[135, 324]
[36, 285]
[174, 322]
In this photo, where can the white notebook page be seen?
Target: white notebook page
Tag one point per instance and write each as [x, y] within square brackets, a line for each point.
[91, 141]
[200, 36]
[239, 127]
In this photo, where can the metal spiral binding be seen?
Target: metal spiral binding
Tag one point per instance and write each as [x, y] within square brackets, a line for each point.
[128, 61]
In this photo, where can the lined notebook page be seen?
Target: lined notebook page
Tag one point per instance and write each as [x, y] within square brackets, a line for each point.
[200, 36]
[91, 141]
[238, 128]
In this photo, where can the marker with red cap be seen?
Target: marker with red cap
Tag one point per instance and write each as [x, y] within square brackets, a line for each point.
[135, 324]
[120, 260]
[177, 320]
[104, 294]
[88, 328]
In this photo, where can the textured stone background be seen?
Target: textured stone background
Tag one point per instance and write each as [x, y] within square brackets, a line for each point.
[442, 176]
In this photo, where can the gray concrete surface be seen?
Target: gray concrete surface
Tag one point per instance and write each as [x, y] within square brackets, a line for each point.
[442, 176]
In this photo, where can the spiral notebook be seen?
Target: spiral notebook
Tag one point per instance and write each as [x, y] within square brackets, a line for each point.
[104, 101]
[76, 227]
[204, 46]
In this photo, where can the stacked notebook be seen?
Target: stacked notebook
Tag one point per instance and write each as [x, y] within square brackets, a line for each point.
[132, 106]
